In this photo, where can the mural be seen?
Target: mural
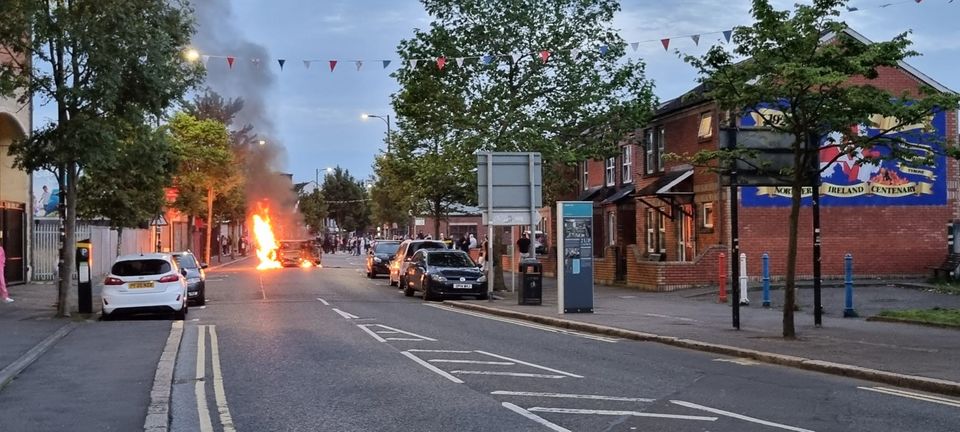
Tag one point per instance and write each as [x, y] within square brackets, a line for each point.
[46, 195]
[847, 182]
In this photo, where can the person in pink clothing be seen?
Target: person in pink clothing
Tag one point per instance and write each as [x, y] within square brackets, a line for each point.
[4, 295]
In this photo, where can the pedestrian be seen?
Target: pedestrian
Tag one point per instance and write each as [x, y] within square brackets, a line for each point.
[463, 244]
[473, 241]
[224, 245]
[523, 245]
[4, 294]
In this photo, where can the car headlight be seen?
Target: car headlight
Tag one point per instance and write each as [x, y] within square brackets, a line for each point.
[377, 260]
[482, 278]
[438, 278]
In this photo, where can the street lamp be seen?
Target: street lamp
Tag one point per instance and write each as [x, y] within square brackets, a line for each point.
[192, 55]
[262, 142]
[329, 170]
[386, 119]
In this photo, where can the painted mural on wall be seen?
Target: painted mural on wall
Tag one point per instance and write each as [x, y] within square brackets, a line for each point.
[845, 182]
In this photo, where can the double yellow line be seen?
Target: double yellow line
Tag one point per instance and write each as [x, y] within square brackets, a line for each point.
[200, 390]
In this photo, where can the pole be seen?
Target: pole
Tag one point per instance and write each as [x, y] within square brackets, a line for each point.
[489, 250]
[722, 277]
[389, 138]
[533, 210]
[766, 280]
[744, 299]
[848, 311]
[815, 204]
[734, 226]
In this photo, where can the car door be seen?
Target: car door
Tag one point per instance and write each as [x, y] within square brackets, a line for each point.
[417, 269]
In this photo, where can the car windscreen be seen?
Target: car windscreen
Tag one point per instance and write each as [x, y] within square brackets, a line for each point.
[386, 248]
[449, 260]
[142, 267]
[428, 245]
[186, 261]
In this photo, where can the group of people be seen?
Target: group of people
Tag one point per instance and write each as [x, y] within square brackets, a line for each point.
[226, 244]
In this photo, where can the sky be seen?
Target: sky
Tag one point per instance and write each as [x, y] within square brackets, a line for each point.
[315, 115]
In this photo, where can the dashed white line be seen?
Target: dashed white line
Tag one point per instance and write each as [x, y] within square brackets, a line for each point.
[571, 396]
[530, 364]
[534, 417]
[325, 303]
[526, 324]
[473, 362]
[916, 396]
[370, 332]
[620, 413]
[345, 314]
[738, 416]
[206, 425]
[513, 374]
[431, 367]
[222, 408]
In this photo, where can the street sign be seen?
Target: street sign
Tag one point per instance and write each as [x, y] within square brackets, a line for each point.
[419, 221]
[515, 180]
[159, 221]
[773, 157]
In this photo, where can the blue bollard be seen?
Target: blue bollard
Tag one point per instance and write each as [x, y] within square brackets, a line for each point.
[766, 279]
[848, 311]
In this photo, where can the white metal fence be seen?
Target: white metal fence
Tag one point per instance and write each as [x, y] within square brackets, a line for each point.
[46, 244]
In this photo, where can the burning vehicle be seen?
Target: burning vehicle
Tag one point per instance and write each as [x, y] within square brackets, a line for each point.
[298, 253]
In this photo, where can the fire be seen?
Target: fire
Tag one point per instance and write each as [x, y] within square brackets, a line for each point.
[305, 263]
[265, 242]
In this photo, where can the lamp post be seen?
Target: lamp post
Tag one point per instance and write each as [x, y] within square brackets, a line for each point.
[386, 119]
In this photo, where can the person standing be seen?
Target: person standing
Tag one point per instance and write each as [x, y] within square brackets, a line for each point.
[4, 294]
[523, 245]
[473, 241]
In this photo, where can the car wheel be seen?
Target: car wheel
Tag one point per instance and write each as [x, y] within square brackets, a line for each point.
[392, 283]
[104, 316]
[181, 314]
[427, 294]
[371, 275]
[408, 291]
[202, 298]
[402, 283]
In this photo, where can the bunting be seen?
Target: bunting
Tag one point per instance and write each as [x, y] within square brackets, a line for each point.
[441, 62]
[306, 64]
[696, 39]
[459, 61]
[604, 49]
[386, 63]
[635, 45]
[726, 35]
[230, 62]
[487, 58]
[205, 59]
[359, 64]
[281, 61]
[575, 53]
[333, 65]
[516, 57]
[544, 55]
[413, 63]
[665, 43]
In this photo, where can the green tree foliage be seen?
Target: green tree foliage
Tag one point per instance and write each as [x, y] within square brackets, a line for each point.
[313, 207]
[813, 89]
[346, 200]
[102, 64]
[391, 199]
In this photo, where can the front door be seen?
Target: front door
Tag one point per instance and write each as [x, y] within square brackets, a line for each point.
[687, 246]
[12, 231]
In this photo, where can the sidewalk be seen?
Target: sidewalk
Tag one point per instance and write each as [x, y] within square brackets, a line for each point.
[692, 318]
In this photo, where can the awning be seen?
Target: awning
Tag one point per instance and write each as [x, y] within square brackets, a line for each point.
[597, 193]
[620, 194]
[669, 188]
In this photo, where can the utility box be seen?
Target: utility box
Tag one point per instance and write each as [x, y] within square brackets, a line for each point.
[84, 283]
[531, 290]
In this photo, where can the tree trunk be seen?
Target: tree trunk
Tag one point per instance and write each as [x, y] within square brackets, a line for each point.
[209, 232]
[790, 293]
[119, 239]
[69, 243]
[498, 283]
[436, 220]
[189, 233]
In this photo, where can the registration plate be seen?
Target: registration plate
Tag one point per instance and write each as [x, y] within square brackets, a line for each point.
[135, 285]
[463, 286]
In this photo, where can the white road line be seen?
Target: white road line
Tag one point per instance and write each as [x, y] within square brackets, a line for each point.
[739, 361]
[225, 419]
[473, 362]
[571, 396]
[408, 333]
[345, 314]
[370, 332]
[387, 332]
[439, 351]
[513, 374]
[671, 317]
[199, 390]
[530, 364]
[534, 417]
[526, 324]
[431, 367]
[620, 413]
[911, 395]
[738, 416]
[325, 303]
[404, 339]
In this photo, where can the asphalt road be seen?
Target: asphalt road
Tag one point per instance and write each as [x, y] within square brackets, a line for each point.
[328, 349]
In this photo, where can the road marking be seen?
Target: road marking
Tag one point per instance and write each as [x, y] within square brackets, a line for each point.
[572, 396]
[621, 413]
[439, 351]
[911, 395]
[408, 333]
[534, 417]
[738, 416]
[325, 303]
[739, 361]
[225, 419]
[473, 362]
[513, 374]
[345, 314]
[671, 317]
[199, 390]
[526, 324]
[387, 332]
[263, 293]
[530, 364]
[404, 339]
[431, 367]
[370, 332]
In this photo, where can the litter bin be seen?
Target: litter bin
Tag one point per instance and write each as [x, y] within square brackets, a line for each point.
[531, 290]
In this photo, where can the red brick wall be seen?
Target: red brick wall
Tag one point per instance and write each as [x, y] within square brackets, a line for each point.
[673, 275]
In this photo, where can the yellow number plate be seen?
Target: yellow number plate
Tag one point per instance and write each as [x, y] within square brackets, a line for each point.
[134, 285]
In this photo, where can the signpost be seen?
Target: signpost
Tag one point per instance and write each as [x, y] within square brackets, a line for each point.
[575, 256]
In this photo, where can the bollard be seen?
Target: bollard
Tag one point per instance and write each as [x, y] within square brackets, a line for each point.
[744, 299]
[766, 279]
[722, 277]
[848, 311]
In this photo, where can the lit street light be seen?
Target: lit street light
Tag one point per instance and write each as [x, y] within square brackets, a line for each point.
[192, 55]
[329, 170]
[263, 142]
[386, 119]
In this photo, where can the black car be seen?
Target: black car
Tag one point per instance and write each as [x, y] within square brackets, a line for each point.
[439, 273]
[196, 277]
[378, 259]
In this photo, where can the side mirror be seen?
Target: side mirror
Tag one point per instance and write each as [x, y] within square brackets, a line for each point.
[204, 266]
[183, 271]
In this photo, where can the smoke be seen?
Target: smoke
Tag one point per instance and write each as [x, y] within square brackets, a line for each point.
[250, 78]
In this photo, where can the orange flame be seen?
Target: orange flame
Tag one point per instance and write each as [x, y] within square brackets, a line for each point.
[305, 263]
[265, 241]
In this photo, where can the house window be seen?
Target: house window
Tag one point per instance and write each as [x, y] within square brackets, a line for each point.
[611, 171]
[651, 231]
[626, 164]
[706, 126]
[650, 162]
[662, 232]
[585, 175]
[708, 215]
[611, 229]
[661, 141]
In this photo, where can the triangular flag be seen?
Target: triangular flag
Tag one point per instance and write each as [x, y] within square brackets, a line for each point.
[386, 63]
[281, 61]
[441, 62]
[333, 65]
[604, 49]
[459, 61]
[544, 55]
[487, 58]
[413, 63]
[852, 8]
[359, 64]
[726, 34]
[306, 64]
[256, 62]
[634, 45]
[575, 53]
[516, 57]
[205, 59]
[230, 61]
[696, 39]
[666, 43]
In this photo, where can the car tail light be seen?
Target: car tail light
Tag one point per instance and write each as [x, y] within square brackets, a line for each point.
[170, 278]
[113, 281]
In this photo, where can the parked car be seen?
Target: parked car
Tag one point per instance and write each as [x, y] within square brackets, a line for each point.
[439, 273]
[292, 253]
[145, 283]
[378, 259]
[398, 267]
[196, 277]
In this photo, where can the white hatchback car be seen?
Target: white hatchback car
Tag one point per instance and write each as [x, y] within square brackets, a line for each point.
[145, 283]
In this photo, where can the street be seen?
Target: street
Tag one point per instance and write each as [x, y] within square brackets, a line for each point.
[328, 349]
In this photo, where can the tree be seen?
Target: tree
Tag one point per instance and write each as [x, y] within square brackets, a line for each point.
[808, 89]
[391, 201]
[313, 208]
[206, 168]
[554, 81]
[346, 200]
[102, 64]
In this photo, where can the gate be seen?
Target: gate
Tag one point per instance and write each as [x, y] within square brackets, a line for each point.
[13, 240]
[46, 246]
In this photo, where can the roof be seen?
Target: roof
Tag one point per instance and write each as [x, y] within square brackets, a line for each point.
[665, 183]
[624, 192]
[595, 193]
[132, 257]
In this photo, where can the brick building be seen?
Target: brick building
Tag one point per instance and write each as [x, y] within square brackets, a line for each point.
[16, 206]
[894, 220]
